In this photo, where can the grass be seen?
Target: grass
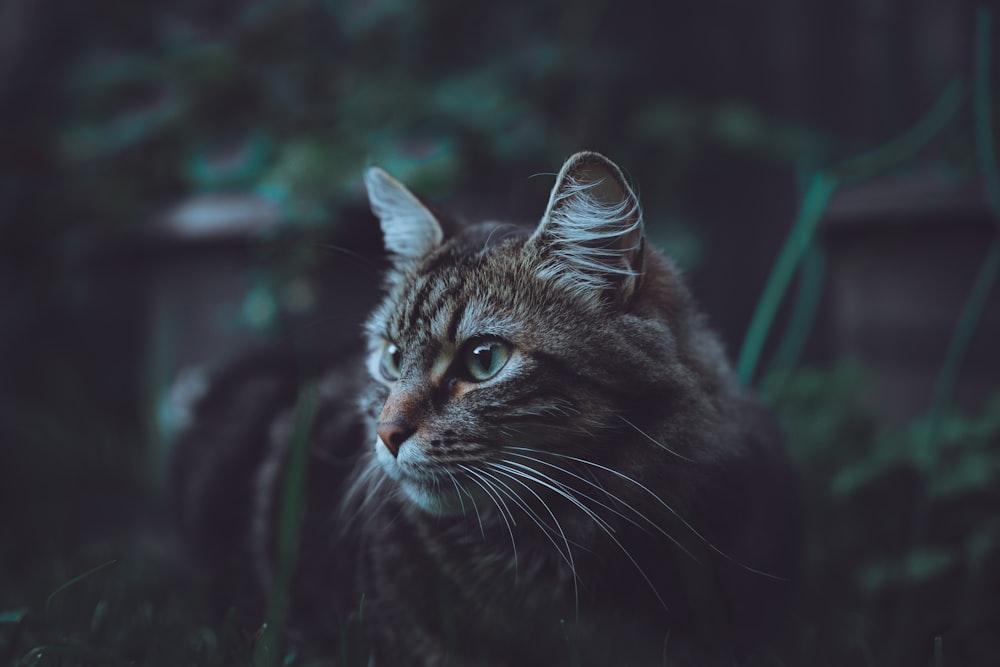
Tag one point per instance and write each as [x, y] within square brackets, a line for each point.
[872, 593]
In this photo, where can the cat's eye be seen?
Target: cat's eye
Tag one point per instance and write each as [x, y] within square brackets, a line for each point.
[389, 364]
[484, 357]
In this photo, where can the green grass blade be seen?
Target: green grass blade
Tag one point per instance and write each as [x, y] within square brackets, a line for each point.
[75, 580]
[269, 651]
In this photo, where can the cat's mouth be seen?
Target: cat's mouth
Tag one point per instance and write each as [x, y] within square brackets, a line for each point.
[431, 490]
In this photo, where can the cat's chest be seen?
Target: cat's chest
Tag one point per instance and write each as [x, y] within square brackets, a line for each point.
[517, 602]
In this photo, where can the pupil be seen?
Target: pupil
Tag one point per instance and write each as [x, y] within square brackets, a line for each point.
[485, 356]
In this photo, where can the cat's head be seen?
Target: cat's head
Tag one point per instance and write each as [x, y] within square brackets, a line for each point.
[502, 350]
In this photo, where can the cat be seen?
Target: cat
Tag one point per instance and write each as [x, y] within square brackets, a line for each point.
[545, 458]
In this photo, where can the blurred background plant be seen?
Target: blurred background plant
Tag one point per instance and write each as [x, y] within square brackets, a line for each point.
[181, 181]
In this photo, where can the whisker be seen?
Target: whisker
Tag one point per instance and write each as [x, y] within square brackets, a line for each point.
[597, 486]
[472, 499]
[568, 557]
[625, 504]
[361, 259]
[458, 492]
[505, 489]
[617, 499]
[558, 487]
[657, 442]
[603, 525]
[478, 479]
[497, 501]
[670, 509]
[363, 492]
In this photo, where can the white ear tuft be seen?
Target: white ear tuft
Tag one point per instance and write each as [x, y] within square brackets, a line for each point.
[409, 228]
[591, 235]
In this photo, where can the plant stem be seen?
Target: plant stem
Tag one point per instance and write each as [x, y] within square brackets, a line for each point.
[978, 297]
[821, 188]
[289, 528]
[824, 183]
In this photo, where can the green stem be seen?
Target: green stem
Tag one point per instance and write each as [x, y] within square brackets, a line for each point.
[804, 310]
[968, 321]
[901, 149]
[821, 188]
[978, 297]
[983, 114]
[289, 528]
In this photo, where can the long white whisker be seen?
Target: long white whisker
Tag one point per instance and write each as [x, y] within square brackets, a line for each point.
[458, 491]
[589, 482]
[603, 525]
[656, 442]
[611, 496]
[461, 503]
[548, 530]
[614, 497]
[476, 477]
[669, 509]
[568, 554]
[557, 486]
[362, 492]
[495, 498]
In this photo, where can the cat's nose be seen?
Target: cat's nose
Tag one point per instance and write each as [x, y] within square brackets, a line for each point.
[393, 434]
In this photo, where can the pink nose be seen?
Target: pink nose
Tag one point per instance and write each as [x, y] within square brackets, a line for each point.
[393, 434]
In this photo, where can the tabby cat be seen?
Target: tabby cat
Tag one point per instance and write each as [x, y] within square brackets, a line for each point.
[546, 460]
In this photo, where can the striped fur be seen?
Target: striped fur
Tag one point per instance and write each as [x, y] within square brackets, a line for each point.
[608, 495]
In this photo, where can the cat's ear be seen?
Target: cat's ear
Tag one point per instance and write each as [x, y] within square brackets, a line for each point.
[409, 229]
[591, 235]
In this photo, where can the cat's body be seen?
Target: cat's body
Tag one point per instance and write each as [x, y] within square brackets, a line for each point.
[552, 462]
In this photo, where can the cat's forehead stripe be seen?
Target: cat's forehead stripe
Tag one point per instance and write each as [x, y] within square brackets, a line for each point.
[450, 303]
[432, 304]
[436, 309]
[407, 315]
[451, 331]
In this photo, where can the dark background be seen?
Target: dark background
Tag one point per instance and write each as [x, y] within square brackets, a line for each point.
[181, 181]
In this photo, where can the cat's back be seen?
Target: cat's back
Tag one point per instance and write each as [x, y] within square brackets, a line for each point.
[228, 468]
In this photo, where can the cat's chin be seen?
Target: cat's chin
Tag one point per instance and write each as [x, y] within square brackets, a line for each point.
[431, 500]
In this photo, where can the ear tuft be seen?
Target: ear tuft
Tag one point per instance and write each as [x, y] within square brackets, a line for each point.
[591, 236]
[410, 230]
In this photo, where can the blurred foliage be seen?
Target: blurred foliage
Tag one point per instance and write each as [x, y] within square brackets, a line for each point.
[903, 526]
[290, 99]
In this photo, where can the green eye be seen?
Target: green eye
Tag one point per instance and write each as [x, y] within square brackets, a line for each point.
[485, 357]
[389, 364]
